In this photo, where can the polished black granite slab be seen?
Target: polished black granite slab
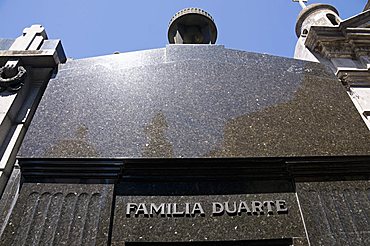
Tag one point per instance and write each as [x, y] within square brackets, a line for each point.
[60, 214]
[8, 197]
[194, 101]
[277, 242]
[336, 213]
[235, 223]
[129, 227]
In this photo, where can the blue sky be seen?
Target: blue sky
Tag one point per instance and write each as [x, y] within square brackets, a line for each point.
[90, 28]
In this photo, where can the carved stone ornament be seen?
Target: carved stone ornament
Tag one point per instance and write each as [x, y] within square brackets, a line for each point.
[13, 83]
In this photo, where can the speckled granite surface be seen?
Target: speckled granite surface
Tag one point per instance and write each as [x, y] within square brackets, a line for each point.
[194, 101]
[336, 213]
[207, 227]
[60, 214]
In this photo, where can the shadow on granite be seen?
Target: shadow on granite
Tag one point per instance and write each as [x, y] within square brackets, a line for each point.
[195, 101]
[58, 214]
[336, 213]
[277, 242]
[205, 225]
[77, 146]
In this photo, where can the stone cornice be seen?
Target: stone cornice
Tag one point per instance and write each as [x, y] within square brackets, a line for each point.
[113, 170]
[354, 77]
[350, 39]
[367, 6]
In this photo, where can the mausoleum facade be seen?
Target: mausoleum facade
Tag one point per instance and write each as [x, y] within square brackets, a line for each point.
[189, 144]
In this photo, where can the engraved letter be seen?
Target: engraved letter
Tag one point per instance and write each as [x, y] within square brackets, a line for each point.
[281, 207]
[187, 209]
[243, 207]
[217, 209]
[141, 209]
[175, 212]
[269, 205]
[157, 210]
[197, 209]
[232, 211]
[131, 207]
[257, 207]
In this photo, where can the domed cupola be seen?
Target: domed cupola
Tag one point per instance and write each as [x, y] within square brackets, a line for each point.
[192, 26]
[316, 15]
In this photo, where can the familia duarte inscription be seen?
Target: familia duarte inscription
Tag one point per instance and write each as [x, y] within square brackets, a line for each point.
[197, 208]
